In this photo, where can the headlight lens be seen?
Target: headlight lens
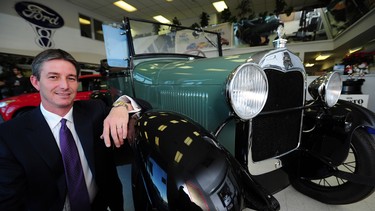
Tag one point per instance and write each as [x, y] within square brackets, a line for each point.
[247, 90]
[327, 87]
[5, 103]
[333, 90]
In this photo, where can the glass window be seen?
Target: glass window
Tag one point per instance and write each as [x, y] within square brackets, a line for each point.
[85, 26]
[98, 32]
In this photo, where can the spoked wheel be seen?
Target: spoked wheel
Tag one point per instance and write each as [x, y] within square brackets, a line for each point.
[334, 190]
[349, 165]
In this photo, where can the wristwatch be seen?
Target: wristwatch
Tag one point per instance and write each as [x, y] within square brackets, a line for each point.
[120, 103]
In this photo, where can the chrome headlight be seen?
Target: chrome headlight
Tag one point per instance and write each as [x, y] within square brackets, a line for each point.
[247, 90]
[5, 103]
[327, 87]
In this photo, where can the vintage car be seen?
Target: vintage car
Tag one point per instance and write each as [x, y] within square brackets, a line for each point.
[90, 86]
[226, 132]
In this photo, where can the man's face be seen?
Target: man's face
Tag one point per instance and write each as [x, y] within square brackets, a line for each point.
[57, 85]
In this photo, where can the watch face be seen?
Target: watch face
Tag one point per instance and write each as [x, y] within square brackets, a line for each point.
[119, 103]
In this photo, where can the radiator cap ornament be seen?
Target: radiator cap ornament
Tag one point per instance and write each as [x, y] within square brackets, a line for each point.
[280, 42]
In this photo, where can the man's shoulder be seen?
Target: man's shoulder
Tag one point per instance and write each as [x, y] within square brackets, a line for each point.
[89, 103]
[93, 111]
[90, 106]
[17, 124]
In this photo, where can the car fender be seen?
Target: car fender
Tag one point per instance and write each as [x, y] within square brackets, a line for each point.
[18, 103]
[361, 116]
[183, 166]
[327, 135]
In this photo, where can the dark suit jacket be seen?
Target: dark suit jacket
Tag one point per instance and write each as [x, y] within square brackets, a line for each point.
[31, 166]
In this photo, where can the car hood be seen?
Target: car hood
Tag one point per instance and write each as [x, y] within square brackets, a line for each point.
[179, 72]
[30, 98]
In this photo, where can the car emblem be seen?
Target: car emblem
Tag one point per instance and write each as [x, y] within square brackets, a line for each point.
[287, 61]
[43, 19]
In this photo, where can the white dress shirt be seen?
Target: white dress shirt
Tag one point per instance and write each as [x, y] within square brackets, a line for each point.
[53, 121]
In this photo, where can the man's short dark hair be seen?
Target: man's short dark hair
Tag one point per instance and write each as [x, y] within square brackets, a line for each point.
[52, 54]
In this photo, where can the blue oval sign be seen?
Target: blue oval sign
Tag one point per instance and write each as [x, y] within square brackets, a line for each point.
[39, 15]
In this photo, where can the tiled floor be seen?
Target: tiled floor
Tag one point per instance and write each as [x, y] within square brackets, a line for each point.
[124, 173]
[289, 199]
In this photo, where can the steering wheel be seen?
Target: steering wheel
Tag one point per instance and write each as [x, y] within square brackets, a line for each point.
[195, 52]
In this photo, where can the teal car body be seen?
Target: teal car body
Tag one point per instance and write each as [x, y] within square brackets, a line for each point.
[189, 87]
[252, 109]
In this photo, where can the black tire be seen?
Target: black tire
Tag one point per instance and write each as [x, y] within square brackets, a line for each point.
[334, 190]
[22, 112]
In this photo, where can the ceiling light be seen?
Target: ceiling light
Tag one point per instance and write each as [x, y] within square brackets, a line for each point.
[220, 6]
[322, 57]
[354, 50]
[84, 21]
[309, 64]
[161, 19]
[125, 6]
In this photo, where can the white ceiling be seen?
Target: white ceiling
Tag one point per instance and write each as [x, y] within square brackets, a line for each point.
[192, 9]
[182, 9]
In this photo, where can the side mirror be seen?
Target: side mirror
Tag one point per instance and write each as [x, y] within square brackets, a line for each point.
[116, 45]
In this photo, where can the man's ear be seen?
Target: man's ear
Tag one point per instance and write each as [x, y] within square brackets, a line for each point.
[34, 81]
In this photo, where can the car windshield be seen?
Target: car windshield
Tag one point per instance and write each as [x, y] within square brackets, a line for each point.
[156, 38]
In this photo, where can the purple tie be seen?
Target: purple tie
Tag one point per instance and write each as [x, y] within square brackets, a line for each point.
[77, 190]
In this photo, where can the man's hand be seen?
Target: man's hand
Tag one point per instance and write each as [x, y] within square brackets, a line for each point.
[116, 124]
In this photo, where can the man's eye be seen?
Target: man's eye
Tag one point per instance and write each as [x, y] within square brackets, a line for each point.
[72, 79]
[52, 77]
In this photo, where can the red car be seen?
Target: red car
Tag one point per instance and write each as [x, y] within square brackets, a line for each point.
[90, 86]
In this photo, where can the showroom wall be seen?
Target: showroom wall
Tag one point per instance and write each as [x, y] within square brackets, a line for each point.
[17, 35]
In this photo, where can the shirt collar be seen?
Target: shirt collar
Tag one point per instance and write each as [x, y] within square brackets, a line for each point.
[53, 119]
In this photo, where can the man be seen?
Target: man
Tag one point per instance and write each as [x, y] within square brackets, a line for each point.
[18, 83]
[34, 171]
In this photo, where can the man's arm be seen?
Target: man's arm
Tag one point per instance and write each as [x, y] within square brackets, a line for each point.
[116, 123]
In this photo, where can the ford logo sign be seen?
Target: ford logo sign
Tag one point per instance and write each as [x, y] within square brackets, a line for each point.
[39, 15]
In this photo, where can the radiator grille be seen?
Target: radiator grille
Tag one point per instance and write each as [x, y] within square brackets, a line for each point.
[278, 133]
[190, 103]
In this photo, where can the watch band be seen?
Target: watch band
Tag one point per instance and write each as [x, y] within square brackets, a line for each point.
[118, 103]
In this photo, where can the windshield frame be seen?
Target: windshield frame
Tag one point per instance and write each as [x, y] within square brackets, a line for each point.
[128, 22]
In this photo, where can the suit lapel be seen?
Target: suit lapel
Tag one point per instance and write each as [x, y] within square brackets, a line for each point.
[42, 139]
[44, 143]
[84, 129]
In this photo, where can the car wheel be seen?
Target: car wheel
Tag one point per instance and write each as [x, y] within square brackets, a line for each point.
[22, 112]
[334, 190]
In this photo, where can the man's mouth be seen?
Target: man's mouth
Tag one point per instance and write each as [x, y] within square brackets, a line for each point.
[64, 94]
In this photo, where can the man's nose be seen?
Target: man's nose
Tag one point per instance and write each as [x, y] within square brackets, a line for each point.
[64, 83]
